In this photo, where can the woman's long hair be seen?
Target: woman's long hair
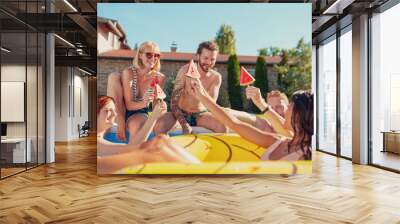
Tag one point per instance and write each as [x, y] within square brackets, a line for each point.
[303, 120]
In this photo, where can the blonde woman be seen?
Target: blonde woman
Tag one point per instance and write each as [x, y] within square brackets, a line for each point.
[130, 89]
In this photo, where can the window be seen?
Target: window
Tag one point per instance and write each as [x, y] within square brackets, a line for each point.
[23, 76]
[327, 96]
[346, 93]
[385, 88]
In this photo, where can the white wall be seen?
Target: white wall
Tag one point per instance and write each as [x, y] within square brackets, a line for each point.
[33, 127]
[61, 103]
[68, 82]
[16, 72]
[80, 83]
[13, 72]
[103, 44]
[106, 41]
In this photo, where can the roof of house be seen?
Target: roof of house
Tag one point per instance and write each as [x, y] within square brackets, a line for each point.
[111, 25]
[180, 56]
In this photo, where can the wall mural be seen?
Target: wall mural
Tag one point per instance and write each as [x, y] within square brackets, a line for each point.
[204, 89]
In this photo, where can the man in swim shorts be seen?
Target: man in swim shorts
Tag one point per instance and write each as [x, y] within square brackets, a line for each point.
[185, 108]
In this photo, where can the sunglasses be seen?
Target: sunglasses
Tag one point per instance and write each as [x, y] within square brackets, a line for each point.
[151, 55]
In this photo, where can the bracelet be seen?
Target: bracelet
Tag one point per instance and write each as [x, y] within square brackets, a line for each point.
[265, 110]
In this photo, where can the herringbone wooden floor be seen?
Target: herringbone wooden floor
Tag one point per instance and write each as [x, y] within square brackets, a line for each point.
[69, 191]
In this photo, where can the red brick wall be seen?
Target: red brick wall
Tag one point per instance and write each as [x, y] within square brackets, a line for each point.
[105, 66]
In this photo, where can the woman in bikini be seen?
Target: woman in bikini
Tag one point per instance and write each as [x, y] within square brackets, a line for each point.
[132, 90]
[298, 117]
[115, 156]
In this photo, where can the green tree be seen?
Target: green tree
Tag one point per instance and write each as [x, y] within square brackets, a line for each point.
[262, 52]
[294, 70]
[303, 64]
[270, 51]
[223, 97]
[282, 68]
[225, 40]
[234, 89]
[261, 75]
[169, 86]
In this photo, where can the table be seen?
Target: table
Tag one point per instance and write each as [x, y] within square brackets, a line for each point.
[391, 141]
[15, 148]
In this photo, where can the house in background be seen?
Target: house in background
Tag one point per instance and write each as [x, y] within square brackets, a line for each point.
[110, 35]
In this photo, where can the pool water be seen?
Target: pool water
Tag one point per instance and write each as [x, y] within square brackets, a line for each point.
[111, 135]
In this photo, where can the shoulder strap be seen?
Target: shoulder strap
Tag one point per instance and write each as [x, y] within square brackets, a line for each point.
[134, 87]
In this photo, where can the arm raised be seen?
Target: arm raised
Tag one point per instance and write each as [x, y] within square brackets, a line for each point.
[245, 130]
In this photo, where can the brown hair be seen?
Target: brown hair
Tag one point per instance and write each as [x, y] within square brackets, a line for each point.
[277, 93]
[303, 120]
[102, 101]
[209, 45]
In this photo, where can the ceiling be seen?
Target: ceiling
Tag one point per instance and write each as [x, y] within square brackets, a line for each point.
[76, 25]
[75, 21]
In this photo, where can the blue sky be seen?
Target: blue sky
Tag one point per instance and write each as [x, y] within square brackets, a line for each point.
[256, 25]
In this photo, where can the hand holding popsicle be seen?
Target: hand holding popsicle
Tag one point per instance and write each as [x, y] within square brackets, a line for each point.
[196, 89]
[253, 93]
[246, 79]
[148, 96]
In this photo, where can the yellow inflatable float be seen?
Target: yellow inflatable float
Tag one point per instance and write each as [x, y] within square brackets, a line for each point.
[225, 154]
[221, 154]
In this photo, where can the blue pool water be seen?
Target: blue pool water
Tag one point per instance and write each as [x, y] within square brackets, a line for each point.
[111, 136]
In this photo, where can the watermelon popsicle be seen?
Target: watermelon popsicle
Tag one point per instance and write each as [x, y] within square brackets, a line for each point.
[156, 91]
[245, 78]
[159, 93]
[192, 70]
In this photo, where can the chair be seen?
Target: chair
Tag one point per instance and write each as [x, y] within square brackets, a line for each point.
[84, 130]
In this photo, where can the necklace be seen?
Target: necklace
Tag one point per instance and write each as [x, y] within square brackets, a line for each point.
[134, 87]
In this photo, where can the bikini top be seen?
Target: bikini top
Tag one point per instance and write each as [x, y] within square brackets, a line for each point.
[271, 148]
[134, 87]
[289, 155]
